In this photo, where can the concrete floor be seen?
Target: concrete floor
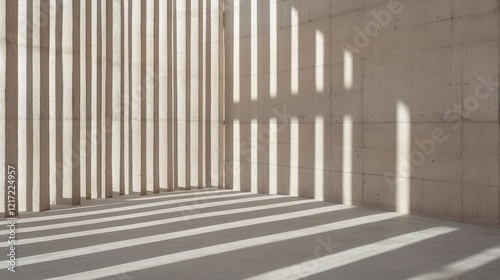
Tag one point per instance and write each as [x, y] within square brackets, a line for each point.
[219, 234]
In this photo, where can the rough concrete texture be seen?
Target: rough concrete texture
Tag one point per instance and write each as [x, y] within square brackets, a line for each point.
[221, 234]
[388, 104]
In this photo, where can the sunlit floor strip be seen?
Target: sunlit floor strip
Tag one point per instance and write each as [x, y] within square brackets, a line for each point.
[121, 209]
[73, 208]
[171, 235]
[154, 223]
[326, 263]
[180, 194]
[183, 208]
[226, 247]
[458, 268]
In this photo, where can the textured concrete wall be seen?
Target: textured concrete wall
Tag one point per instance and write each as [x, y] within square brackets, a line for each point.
[387, 104]
[93, 97]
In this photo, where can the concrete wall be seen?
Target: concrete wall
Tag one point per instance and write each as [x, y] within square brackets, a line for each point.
[94, 99]
[386, 104]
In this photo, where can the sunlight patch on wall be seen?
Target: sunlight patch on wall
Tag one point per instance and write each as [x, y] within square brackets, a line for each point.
[403, 153]
[347, 160]
[294, 157]
[348, 70]
[255, 52]
[273, 49]
[319, 157]
[273, 156]
[254, 184]
[295, 51]
[236, 53]
[236, 155]
[22, 75]
[320, 61]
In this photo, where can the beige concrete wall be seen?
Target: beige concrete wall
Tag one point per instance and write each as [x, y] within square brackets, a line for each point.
[386, 104]
[93, 98]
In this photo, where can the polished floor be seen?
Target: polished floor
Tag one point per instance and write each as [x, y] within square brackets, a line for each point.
[222, 234]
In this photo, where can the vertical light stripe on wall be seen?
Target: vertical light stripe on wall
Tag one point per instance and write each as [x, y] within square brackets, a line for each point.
[273, 49]
[203, 84]
[193, 93]
[67, 101]
[200, 80]
[403, 158]
[116, 106]
[347, 153]
[156, 100]
[254, 49]
[149, 76]
[236, 156]
[216, 94]
[170, 164]
[22, 75]
[136, 95]
[236, 50]
[254, 155]
[126, 97]
[208, 93]
[320, 62]
[3, 71]
[273, 156]
[95, 191]
[319, 157]
[143, 100]
[130, 96]
[59, 163]
[294, 156]
[181, 83]
[175, 93]
[83, 99]
[187, 150]
[121, 5]
[254, 94]
[219, 96]
[294, 51]
[162, 105]
[105, 92]
[99, 97]
[52, 101]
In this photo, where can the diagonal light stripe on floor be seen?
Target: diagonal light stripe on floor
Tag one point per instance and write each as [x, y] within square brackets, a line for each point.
[171, 235]
[154, 223]
[326, 263]
[121, 209]
[145, 214]
[226, 247]
[461, 267]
